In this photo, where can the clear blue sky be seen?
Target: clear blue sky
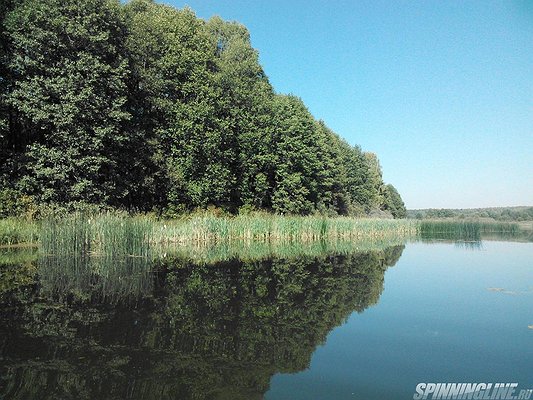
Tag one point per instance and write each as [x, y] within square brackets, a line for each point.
[442, 91]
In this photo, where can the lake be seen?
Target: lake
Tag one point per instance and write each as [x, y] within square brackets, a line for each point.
[330, 322]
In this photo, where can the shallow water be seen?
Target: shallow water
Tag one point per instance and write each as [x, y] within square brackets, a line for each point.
[366, 324]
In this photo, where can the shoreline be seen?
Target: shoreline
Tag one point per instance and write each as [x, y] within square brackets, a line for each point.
[105, 231]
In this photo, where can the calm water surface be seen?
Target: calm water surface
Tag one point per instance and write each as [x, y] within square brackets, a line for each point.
[357, 325]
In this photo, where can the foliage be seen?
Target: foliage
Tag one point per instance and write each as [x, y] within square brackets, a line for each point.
[68, 99]
[393, 202]
[141, 106]
[97, 233]
[13, 203]
[100, 234]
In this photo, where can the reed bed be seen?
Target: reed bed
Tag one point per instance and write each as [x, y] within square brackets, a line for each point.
[18, 230]
[102, 234]
[499, 227]
[467, 230]
[121, 234]
[275, 228]
[120, 241]
[114, 252]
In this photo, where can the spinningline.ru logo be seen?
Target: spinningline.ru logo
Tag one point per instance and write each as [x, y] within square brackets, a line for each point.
[475, 391]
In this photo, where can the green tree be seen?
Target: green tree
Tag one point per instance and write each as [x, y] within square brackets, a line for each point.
[245, 105]
[296, 155]
[173, 56]
[69, 96]
[374, 182]
[355, 178]
[392, 201]
[8, 141]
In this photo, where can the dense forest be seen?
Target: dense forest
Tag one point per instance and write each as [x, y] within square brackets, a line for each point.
[144, 107]
[495, 213]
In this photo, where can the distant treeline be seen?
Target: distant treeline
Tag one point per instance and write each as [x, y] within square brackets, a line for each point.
[145, 107]
[496, 213]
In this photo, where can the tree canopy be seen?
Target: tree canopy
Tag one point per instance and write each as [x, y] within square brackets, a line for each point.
[145, 107]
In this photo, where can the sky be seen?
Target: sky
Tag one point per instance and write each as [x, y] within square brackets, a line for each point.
[441, 91]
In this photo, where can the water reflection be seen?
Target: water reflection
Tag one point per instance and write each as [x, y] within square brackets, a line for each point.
[103, 278]
[460, 244]
[172, 328]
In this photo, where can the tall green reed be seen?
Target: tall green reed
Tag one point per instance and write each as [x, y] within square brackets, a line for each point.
[275, 228]
[100, 234]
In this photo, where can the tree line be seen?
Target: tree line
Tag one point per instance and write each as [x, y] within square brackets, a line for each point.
[145, 107]
[520, 213]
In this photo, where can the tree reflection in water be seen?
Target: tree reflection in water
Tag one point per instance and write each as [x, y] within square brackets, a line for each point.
[109, 328]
